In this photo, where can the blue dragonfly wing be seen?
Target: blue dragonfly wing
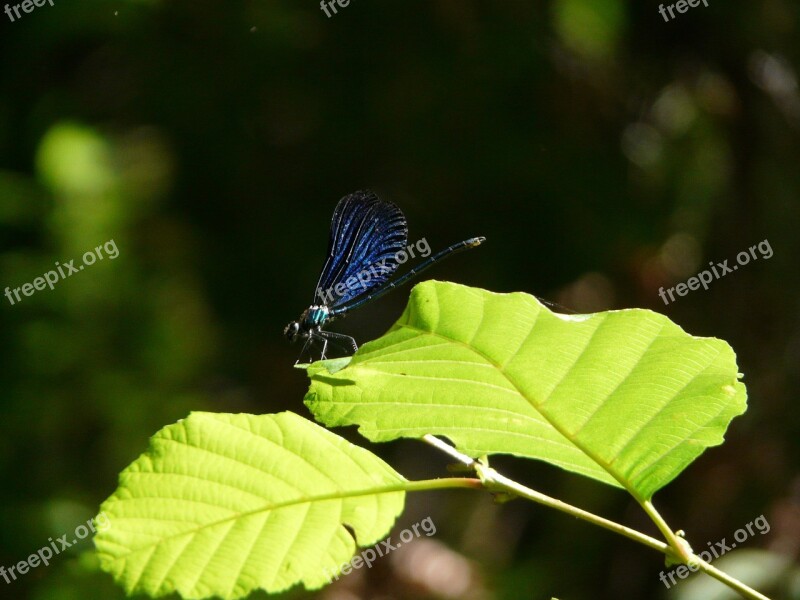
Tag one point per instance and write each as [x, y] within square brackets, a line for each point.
[366, 233]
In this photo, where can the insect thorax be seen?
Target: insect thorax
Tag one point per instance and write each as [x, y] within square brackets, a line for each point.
[315, 316]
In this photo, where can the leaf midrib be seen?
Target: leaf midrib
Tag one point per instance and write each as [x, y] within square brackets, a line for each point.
[400, 487]
[532, 402]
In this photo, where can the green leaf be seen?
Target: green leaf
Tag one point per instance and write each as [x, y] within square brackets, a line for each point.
[625, 397]
[222, 504]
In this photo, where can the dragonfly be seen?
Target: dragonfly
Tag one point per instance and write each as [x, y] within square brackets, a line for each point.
[366, 240]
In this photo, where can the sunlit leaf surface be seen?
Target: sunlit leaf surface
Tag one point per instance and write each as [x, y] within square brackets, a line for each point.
[625, 397]
[221, 505]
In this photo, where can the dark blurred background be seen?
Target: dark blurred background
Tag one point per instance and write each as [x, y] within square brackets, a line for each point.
[604, 153]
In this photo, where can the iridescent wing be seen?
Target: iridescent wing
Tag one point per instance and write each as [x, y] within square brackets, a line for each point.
[366, 233]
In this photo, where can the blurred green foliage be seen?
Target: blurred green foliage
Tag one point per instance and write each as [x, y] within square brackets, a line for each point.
[603, 152]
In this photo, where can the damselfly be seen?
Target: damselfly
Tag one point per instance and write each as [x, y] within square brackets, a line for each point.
[367, 238]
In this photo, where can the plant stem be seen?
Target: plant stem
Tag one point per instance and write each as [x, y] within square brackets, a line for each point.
[518, 489]
[731, 582]
[677, 549]
[496, 480]
[687, 556]
[427, 485]
[681, 547]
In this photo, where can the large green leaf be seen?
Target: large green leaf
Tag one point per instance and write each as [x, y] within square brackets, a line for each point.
[626, 397]
[221, 505]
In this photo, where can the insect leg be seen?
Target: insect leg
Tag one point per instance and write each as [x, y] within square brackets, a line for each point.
[344, 341]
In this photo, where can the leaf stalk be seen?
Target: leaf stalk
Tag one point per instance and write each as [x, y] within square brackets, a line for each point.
[677, 550]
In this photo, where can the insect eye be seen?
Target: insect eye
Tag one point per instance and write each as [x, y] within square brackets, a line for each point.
[291, 330]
